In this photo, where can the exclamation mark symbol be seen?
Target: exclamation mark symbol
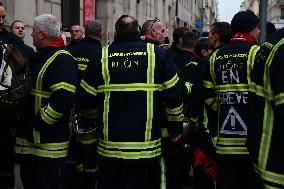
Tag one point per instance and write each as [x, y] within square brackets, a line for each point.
[233, 122]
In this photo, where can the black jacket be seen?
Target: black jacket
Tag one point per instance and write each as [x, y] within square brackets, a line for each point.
[45, 130]
[132, 88]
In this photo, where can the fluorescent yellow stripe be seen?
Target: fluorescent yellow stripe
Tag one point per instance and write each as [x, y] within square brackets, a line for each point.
[82, 67]
[130, 155]
[40, 152]
[212, 70]
[45, 146]
[53, 113]
[130, 145]
[63, 85]
[88, 88]
[171, 82]
[177, 110]
[208, 84]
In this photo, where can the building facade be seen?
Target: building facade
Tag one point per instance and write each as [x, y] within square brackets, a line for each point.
[197, 15]
[275, 10]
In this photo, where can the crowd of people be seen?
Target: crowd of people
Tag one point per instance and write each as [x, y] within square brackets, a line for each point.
[140, 113]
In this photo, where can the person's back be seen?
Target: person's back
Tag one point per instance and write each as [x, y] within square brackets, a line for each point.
[265, 141]
[126, 86]
[229, 76]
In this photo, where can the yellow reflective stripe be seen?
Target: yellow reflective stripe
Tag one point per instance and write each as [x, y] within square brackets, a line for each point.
[150, 94]
[79, 168]
[212, 70]
[130, 145]
[164, 132]
[63, 85]
[163, 184]
[177, 110]
[171, 82]
[82, 67]
[279, 99]
[232, 87]
[188, 87]
[106, 78]
[268, 112]
[231, 150]
[40, 152]
[53, 113]
[130, 87]
[250, 60]
[129, 155]
[208, 84]
[231, 141]
[267, 135]
[86, 142]
[88, 88]
[175, 117]
[46, 118]
[260, 91]
[36, 135]
[40, 76]
[44, 146]
[41, 93]
[270, 176]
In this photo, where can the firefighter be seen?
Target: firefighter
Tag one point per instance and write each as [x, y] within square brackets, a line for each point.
[133, 86]
[42, 141]
[228, 75]
[265, 136]
[83, 148]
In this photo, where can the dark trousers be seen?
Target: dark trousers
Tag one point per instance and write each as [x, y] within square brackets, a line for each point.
[236, 173]
[124, 174]
[7, 179]
[43, 174]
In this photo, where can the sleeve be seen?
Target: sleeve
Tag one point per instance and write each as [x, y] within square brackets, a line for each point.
[87, 90]
[277, 80]
[63, 79]
[173, 92]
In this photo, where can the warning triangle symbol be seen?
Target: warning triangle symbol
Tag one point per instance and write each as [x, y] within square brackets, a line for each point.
[234, 124]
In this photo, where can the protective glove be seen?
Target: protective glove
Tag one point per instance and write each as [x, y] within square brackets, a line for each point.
[208, 164]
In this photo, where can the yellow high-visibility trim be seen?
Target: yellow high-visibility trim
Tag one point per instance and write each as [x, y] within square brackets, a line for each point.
[82, 67]
[208, 84]
[44, 146]
[279, 99]
[52, 112]
[42, 94]
[177, 110]
[40, 152]
[63, 85]
[88, 88]
[130, 145]
[129, 155]
[171, 82]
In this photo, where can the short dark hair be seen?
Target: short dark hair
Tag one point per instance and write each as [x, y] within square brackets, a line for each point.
[201, 44]
[1, 4]
[270, 28]
[127, 25]
[178, 33]
[189, 39]
[223, 30]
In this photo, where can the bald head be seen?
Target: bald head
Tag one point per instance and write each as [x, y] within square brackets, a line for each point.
[126, 25]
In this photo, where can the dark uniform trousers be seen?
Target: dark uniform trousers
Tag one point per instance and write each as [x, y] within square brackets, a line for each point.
[52, 174]
[117, 174]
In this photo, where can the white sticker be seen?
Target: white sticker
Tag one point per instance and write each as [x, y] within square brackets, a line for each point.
[234, 124]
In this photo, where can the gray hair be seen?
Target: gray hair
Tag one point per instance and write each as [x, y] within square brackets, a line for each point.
[48, 24]
[93, 27]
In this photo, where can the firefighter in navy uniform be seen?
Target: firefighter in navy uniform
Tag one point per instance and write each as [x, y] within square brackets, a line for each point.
[82, 151]
[132, 88]
[265, 138]
[43, 140]
[228, 74]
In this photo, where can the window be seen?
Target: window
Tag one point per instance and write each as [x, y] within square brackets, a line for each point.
[70, 13]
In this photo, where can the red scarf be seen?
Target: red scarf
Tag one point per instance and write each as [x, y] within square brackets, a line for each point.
[58, 42]
[238, 36]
